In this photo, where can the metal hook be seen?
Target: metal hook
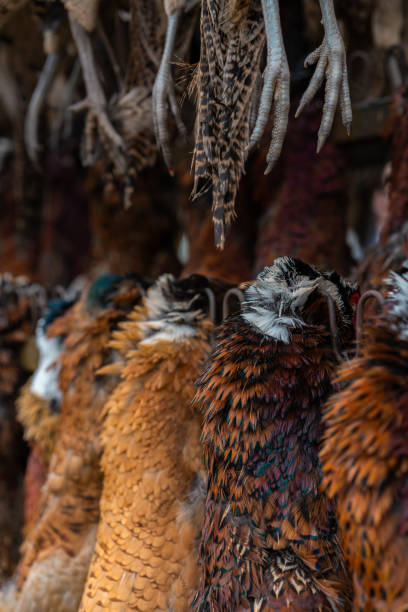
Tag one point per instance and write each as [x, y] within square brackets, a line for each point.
[211, 304]
[225, 302]
[211, 313]
[359, 312]
[333, 328]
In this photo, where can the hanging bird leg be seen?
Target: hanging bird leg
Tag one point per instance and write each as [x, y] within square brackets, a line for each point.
[275, 86]
[95, 101]
[36, 103]
[331, 63]
[163, 88]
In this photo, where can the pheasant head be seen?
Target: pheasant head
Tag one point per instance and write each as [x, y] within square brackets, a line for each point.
[292, 295]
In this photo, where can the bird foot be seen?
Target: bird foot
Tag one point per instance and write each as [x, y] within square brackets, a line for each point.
[98, 121]
[331, 64]
[95, 104]
[276, 80]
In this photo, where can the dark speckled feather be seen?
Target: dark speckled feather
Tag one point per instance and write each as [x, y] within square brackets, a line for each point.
[226, 80]
[365, 460]
[269, 540]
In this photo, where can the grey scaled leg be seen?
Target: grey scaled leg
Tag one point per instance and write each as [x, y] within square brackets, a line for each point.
[275, 86]
[163, 93]
[32, 117]
[331, 64]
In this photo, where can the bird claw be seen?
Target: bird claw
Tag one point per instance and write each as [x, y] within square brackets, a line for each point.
[97, 119]
[163, 94]
[331, 64]
[275, 87]
[95, 104]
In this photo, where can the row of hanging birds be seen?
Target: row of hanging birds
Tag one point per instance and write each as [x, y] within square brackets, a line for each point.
[180, 457]
[240, 92]
[185, 459]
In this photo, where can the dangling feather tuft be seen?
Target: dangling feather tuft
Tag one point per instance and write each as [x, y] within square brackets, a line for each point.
[231, 45]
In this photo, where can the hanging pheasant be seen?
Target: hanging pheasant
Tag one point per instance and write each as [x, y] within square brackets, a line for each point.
[392, 249]
[57, 551]
[124, 124]
[269, 540]
[21, 304]
[365, 458]
[311, 196]
[38, 409]
[231, 111]
[153, 493]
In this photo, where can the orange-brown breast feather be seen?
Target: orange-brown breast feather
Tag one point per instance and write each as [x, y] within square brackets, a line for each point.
[269, 538]
[151, 508]
[57, 551]
[365, 460]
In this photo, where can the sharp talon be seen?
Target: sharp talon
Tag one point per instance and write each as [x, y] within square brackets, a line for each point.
[299, 110]
[251, 144]
[321, 139]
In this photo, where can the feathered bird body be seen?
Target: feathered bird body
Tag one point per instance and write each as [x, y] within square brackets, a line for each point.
[365, 459]
[153, 495]
[58, 549]
[20, 306]
[392, 250]
[38, 407]
[269, 539]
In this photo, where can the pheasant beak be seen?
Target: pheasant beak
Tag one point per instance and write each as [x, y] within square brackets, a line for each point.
[245, 285]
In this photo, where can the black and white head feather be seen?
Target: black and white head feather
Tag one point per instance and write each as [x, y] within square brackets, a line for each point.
[44, 382]
[274, 303]
[174, 307]
[397, 283]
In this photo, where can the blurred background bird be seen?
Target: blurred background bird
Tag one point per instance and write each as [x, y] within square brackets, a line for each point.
[391, 250]
[365, 457]
[21, 303]
[153, 492]
[57, 550]
[269, 539]
[38, 407]
[307, 216]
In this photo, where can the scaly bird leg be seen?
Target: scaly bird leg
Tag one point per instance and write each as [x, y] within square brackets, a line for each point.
[275, 86]
[95, 102]
[331, 63]
[36, 103]
[163, 89]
